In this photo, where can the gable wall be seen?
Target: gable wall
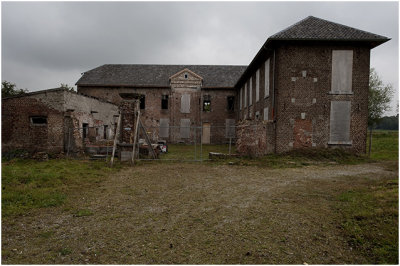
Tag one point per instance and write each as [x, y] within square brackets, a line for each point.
[311, 96]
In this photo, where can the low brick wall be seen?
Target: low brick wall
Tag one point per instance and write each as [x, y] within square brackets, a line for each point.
[253, 138]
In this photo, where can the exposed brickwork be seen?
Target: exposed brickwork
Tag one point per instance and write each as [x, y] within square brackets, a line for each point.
[302, 85]
[254, 138]
[296, 94]
[65, 113]
[18, 132]
[152, 113]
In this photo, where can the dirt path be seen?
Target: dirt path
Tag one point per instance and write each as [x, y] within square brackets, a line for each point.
[196, 213]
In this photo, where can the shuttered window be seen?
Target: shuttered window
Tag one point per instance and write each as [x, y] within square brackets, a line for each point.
[240, 99]
[340, 122]
[245, 95]
[164, 127]
[185, 103]
[342, 71]
[266, 79]
[257, 85]
[185, 128]
[230, 128]
[251, 92]
[265, 113]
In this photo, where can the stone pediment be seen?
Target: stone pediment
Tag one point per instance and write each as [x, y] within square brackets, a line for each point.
[186, 79]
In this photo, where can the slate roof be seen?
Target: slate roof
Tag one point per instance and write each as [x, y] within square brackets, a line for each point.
[312, 28]
[214, 76]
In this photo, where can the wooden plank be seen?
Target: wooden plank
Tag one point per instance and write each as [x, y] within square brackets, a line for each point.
[147, 140]
[136, 132]
[116, 139]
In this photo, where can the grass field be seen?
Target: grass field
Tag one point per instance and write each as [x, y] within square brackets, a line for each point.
[314, 207]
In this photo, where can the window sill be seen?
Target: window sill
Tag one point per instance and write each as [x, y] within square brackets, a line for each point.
[348, 143]
[340, 93]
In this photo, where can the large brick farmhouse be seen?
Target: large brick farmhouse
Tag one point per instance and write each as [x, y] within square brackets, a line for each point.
[306, 87]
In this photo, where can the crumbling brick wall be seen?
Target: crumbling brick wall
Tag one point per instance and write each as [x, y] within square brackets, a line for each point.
[18, 131]
[254, 138]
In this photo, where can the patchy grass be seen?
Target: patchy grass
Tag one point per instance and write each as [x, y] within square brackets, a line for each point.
[28, 184]
[370, 221]
[83, 212]
[192, 152]
[385, 145]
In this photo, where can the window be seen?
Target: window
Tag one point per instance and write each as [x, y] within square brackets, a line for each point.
[207, 103]
[245, 95]
[105, 131]
[342, 71]
[39, 120]
[240, 98]
[266, 79]
[85, 130]
[266, 114]
[142, 102]
[185, 103]
[251, 91]
[164, 102]
[340, 122]
[231, 103]
[186, 76]
[229, 128]
[185, 128]
[164, 127]
[257, 85]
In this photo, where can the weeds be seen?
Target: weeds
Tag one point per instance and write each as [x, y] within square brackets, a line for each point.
[370, 221]
[28, 184]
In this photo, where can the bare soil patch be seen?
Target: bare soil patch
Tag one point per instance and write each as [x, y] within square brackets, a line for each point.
[196, 214]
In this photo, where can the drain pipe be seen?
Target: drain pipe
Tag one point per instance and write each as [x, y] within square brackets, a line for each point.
[273, 99]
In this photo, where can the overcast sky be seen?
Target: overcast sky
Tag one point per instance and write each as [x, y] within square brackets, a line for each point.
[48, 43]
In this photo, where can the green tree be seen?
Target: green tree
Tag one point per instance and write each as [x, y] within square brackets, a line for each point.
[378, 101]
[66, 86]
[10, 89]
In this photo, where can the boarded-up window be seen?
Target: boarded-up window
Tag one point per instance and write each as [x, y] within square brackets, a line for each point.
[257, 85]
[251, 92]
[164, 128]
[185, 103]
[266, 79]
[245, 95]
[342, 71]
[340, 122]
[240, 99]
[230, 128]
[265, 113]
[185, 128]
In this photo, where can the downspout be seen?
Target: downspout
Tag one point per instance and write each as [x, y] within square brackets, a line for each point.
[273, 99]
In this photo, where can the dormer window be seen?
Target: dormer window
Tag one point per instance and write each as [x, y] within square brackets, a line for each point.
[186, 75]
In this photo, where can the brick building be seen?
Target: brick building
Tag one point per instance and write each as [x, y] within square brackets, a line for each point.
[310, 81]
[306, 87]
[174, 98]
[51, 120]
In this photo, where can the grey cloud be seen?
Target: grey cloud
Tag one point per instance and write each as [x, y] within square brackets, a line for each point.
[46, 43]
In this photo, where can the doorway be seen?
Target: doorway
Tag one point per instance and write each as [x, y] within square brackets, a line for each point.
[206, 133]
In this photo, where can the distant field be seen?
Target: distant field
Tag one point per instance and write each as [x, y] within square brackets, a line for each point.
[385, 145]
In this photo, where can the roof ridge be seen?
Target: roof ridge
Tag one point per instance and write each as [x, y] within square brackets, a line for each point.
[288, 27]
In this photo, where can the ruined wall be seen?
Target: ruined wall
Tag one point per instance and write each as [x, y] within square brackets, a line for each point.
[18, 131]
[303, 96]
[255, 138]
[152, 113]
